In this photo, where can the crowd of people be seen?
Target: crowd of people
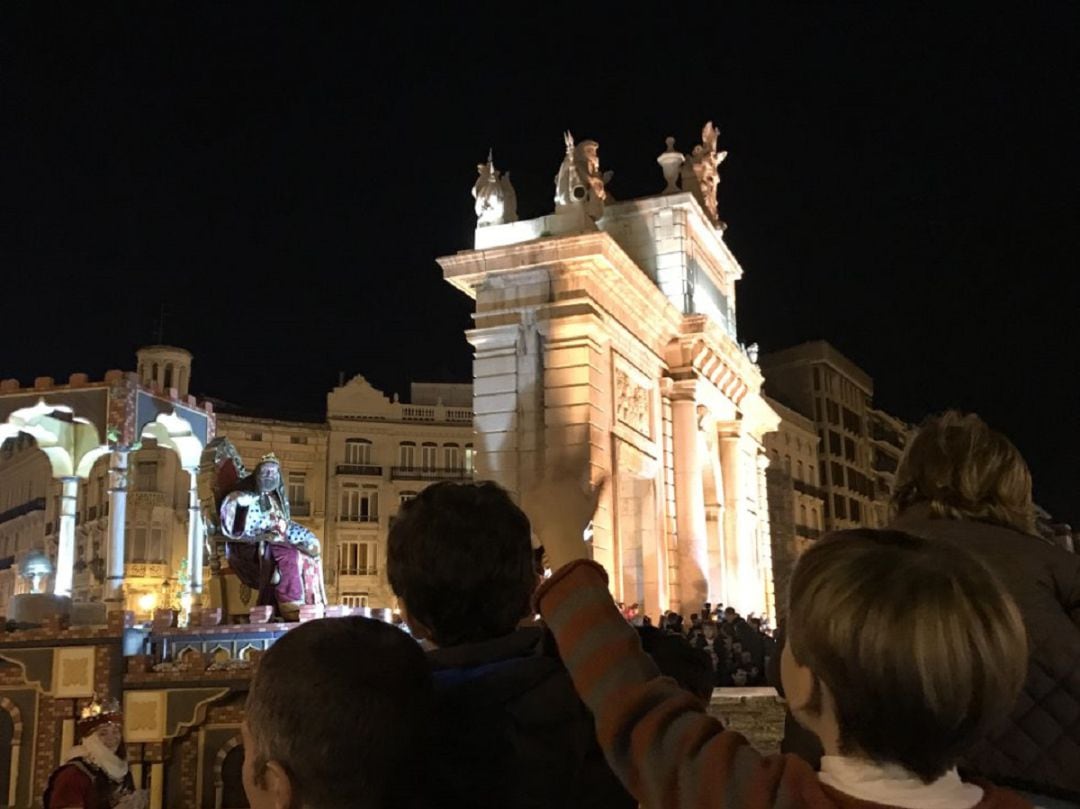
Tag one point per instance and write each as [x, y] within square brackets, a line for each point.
[934, 664]
[736, 651]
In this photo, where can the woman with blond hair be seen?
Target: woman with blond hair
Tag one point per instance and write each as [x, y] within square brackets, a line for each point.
[961, 482]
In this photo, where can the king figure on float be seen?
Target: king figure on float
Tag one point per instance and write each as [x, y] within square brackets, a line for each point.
[282, 560]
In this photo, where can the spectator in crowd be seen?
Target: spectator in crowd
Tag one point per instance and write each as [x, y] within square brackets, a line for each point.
[675, 657]
[961, 482]
[508, 729]
[335, 715]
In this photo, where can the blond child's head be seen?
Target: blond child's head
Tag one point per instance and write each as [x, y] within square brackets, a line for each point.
[901, 649]
[963, 470]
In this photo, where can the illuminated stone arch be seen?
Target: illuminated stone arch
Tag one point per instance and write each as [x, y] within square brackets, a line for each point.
[70, 442]
[176, 433]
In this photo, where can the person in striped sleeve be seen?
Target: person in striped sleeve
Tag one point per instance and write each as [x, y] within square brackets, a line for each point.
[901, 653]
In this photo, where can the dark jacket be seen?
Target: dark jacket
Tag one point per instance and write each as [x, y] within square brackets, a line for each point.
[676, 657]
[1039, 747]
[510, 731]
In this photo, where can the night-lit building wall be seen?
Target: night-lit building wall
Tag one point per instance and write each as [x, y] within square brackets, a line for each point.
[819, 382]
[796, 500]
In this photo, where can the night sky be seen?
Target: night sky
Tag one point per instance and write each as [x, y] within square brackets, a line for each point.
[903, 184]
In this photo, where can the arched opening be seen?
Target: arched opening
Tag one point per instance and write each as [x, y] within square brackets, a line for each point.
[7, 738]
[232, 785]
[154, 376]
[228, 782]
[168, 376]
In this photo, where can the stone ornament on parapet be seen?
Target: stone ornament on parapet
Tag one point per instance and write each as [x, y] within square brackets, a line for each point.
[579, 184]
[496, 200]
[701, 176]
[671, 162]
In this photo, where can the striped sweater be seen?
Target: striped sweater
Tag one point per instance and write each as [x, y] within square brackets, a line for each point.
[659, 741]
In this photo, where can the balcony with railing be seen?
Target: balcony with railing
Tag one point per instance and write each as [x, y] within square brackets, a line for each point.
[429, 473]
[437, 413]
[146, 499]
[300, 509]
[803, 487]
[369, 519]
[884, 462]
[363, 470]
[146, 570]
[807, 532]
[884, 434]
[358, 570]
[37, 504]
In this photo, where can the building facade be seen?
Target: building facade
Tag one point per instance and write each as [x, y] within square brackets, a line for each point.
[796, 500]
[382, 452]
[888, 438]
[855, 440]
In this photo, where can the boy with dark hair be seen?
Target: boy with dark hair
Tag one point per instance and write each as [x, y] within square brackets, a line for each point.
[508, 729]
[335, 715]
[902, 652]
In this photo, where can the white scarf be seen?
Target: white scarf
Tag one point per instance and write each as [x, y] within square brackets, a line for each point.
[893, 785]
[94, 751]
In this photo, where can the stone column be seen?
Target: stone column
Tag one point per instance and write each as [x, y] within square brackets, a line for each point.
[689, 504]
[195, 539]
[114, 576]
[65, 553]
[764, 539]
[736, 565]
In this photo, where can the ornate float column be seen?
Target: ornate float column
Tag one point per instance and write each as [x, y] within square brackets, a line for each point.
[689, 501]
[114, 576]
[65, 552]
[67, 734]
[136, 768]
[157, 785]
[195, 537]
[13, 772]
